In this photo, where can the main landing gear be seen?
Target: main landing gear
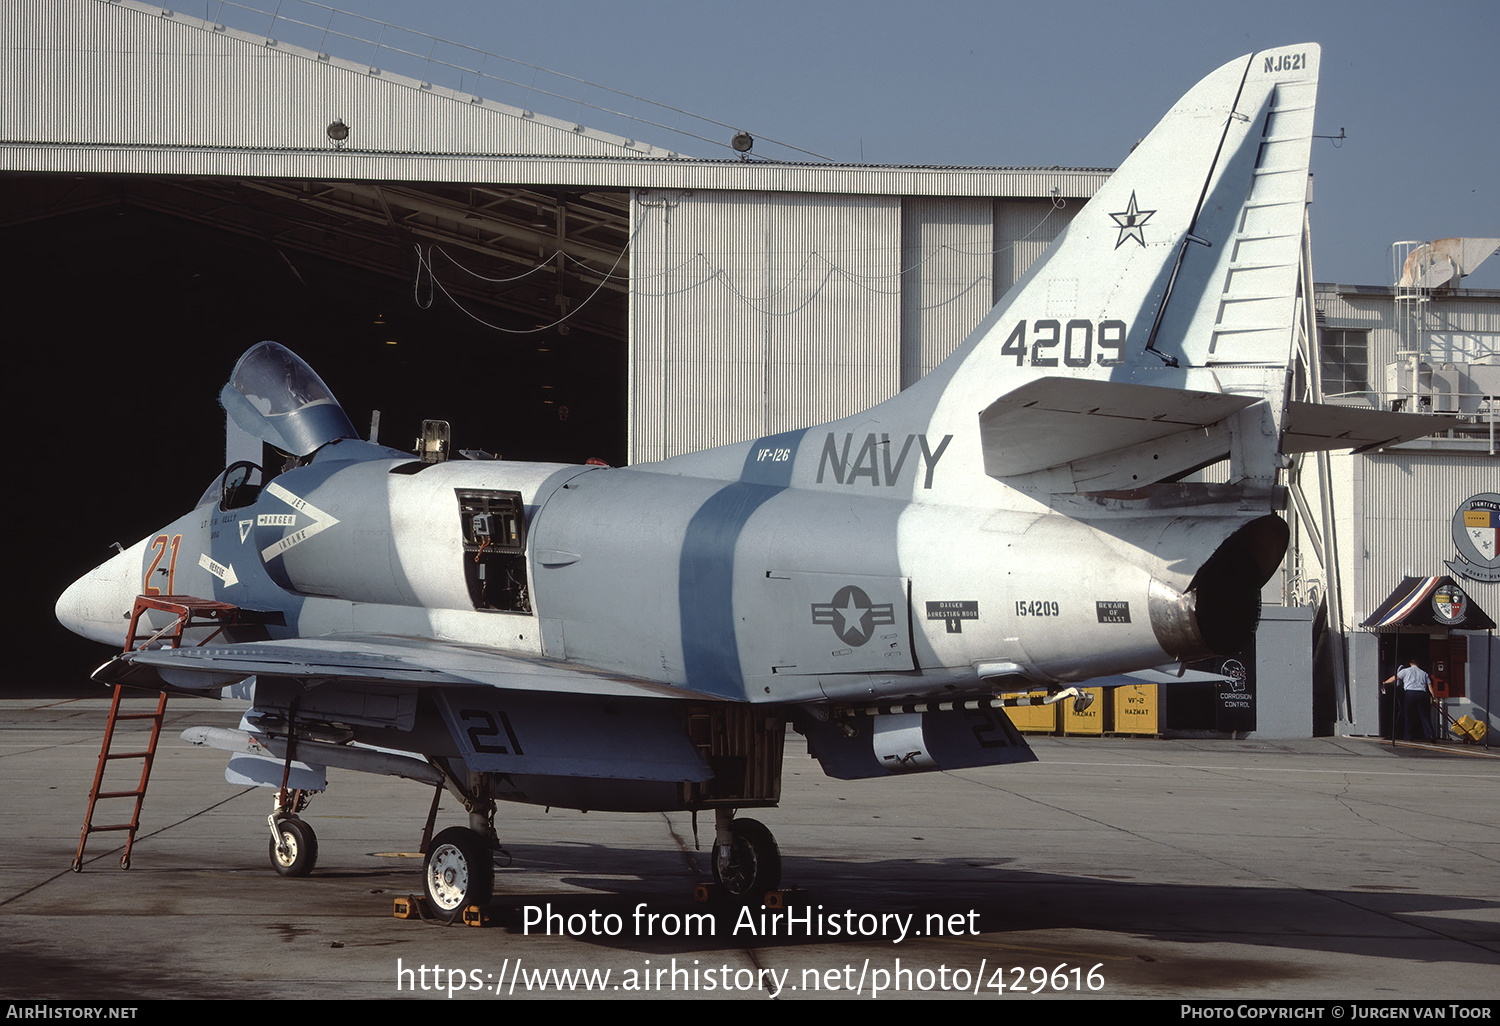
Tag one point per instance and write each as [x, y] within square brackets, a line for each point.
[746, 860]
[459, 868]
[459, 871]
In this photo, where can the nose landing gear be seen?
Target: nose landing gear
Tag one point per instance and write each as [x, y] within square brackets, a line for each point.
[746, 860]
[294, 846]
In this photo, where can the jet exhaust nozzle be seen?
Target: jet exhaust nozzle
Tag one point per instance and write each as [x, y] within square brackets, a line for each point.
[1218, 612]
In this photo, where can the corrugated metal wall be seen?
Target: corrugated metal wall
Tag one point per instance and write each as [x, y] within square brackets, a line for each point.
[1407, 501]
[755, 313]
[758, 312]
[947, 283]
[172, 80]
[116, 86]
[1024, 228]
[1454, 327]
[1405, 504]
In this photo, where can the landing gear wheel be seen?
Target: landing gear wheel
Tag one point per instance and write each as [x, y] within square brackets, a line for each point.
[299, 845]
[754, 862]
[458, 872]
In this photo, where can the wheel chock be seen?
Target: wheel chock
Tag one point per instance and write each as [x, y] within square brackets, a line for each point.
[709, 893]
[413, 906]
[784, 897]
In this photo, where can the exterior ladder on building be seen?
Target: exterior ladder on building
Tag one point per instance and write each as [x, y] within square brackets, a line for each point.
[187, 612]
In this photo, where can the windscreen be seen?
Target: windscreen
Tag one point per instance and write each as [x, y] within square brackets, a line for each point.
[277, 397]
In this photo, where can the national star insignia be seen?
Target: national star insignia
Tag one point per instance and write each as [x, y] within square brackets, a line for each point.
[1131, 220]
[853, 616]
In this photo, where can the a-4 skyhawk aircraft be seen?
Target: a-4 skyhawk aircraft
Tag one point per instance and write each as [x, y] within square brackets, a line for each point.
[638, 638]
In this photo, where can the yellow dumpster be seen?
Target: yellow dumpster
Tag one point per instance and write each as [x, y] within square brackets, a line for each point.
[1136, 709]
[1034, 719]
[1090, 721]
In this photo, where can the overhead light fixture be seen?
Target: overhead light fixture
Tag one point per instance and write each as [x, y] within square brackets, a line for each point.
[338, 132]
[742, 142]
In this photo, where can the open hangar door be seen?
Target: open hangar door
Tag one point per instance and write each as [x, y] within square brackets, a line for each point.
[131, 298]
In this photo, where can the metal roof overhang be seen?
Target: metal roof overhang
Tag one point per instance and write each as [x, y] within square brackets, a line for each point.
[537, 209]
[534, 234]
[1425, 602]
[600, 172]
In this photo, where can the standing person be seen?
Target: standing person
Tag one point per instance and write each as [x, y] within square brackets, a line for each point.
[1416, 687]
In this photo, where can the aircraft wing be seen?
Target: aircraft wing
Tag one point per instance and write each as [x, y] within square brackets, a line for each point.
[373, 659]
[499, 712]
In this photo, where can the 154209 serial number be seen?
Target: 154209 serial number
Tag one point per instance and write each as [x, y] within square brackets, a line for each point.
[1040, 607]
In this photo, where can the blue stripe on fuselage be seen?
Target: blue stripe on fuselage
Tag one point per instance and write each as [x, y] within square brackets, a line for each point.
[705, 570]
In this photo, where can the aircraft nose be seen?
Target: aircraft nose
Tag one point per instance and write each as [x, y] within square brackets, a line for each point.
[97, 606]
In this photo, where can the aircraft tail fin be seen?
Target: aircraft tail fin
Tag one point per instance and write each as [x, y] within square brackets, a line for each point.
[1188, 257]
[1151, 340]
[1184, 272]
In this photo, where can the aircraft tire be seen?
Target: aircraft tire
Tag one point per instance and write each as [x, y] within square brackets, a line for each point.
[457, 872]
[301, 844]
[754, 866]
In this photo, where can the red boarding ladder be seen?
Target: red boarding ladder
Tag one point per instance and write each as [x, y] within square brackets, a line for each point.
[187, 612]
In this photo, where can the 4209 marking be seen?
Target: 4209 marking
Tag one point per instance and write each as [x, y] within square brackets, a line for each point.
[1077, 344]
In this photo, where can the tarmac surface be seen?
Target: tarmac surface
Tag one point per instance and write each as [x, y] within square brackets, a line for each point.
[1243, 870]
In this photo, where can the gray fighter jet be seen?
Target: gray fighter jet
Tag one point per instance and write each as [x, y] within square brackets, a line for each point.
[638, 638]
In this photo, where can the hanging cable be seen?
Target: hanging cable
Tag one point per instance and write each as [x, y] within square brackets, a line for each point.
[425, 263]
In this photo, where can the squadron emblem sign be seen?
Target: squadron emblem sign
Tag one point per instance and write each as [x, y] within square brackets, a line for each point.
[1475, 523]
[1449, 603]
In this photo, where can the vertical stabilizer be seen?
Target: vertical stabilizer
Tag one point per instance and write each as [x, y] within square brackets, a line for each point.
[1187, 257]
[1151, 339]
[1181, 273]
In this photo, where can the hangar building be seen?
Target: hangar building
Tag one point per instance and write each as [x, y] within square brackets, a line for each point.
[792, 292]
[1413, 525]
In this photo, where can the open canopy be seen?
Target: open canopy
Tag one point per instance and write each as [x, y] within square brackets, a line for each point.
[279, 399]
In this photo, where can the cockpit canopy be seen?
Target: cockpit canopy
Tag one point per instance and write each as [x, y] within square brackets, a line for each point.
[279, 399]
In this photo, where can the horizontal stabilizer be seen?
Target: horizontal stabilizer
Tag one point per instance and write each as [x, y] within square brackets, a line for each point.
[1312, 427]
[1053, 422]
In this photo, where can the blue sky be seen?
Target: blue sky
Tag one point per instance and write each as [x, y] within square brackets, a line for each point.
[961, 82]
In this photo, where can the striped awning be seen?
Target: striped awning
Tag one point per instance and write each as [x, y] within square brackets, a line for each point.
[1429, 602]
